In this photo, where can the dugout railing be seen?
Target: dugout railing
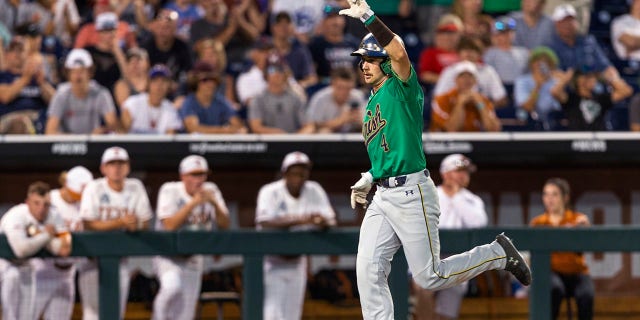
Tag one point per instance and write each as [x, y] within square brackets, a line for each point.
[108, 247]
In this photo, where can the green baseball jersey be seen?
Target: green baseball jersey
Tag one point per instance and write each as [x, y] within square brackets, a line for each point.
[392, 128]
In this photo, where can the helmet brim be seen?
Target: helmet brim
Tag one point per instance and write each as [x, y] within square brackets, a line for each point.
[369, 53]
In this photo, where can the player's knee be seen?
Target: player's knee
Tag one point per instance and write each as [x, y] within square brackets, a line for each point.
[426, 280]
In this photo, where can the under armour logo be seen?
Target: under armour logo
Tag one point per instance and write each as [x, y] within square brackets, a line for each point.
[513, 261]
[408, 192]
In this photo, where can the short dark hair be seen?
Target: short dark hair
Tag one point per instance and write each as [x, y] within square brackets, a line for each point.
[40, 188]
[343, 73]
[469, 43]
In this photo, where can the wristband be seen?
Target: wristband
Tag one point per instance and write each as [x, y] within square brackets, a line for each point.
[380, 31]
[479, 106]
[366, 18]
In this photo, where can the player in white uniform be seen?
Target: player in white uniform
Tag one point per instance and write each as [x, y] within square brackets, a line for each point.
[29, 227]
[189, 204]
[459, 209]
[113, 202]
[297, 204]
[54, 279]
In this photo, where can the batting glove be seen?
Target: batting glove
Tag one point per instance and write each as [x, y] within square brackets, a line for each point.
[359, 9]
[360, 190]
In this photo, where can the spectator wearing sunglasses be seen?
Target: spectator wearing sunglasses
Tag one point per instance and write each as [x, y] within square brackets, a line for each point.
[509, 61]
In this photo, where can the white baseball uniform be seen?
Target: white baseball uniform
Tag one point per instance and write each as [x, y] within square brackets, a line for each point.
[55, 278]
[285, 278]
[463, 210]
[180, 277]
[100, 202]
[18, 290]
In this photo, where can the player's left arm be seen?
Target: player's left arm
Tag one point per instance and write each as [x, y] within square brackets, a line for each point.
[390, 41]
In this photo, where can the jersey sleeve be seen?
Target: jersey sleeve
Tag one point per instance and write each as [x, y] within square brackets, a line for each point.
[167, 204]
[324, 205]
[476, 216]
[15, 228]
[266, 204]
[89, 203]
[141, 204]
[218, 195]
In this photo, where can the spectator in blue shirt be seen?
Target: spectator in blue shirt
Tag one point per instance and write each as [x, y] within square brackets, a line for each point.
[532, 91]
[206, 110]
[574, 50]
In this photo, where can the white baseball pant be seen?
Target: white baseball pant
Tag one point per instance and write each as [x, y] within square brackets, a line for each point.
[408, 216]
[180, 281]
[17, 282]
[285, 282]
[88, 285]
[54, 291]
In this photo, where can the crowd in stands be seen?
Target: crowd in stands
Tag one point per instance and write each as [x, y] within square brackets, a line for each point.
[285, 66]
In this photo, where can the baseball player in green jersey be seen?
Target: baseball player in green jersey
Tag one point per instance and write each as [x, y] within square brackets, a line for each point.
[405, 208]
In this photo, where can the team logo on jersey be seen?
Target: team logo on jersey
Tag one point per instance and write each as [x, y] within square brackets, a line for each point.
[373, 126]
[104, 198]
[181, 203]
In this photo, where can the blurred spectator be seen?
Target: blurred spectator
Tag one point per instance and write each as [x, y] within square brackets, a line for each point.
[24, 92]
[463, 108]
[151, 112]
[489, 83]
[66, 21]
[443, 53]
[459, 209]
[135, 77]
[9, 13]
[585, 101]
[213, 52]
[532, 91]
[206, 110]
[188, 12]
[37, 12]
[252, 82]
[296, 54]
[570, 273]
[429, 13]
[625, 33]
[533, 27]
[508, 60]
[251, 19]
[165, 48]
[278, 109]
[81, 105]
[332, 47]
[217, 23]
[292, 203]
[137, 13]
[394, 13]
[573, 49]
[583, 11]
[338, 107]
[476, 24]
[32, 38]
[109, 60]
[306, 15]
[88, 35]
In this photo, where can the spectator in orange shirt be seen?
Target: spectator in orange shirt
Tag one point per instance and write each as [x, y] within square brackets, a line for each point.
[88, 35]
[463, 108]
[570, 274]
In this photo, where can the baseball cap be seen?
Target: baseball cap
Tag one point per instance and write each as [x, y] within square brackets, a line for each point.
[503, 24]
[77, 178]
[465, 66]
[294, 158]
[78, 58]
[563, 11]
[331, 9]
[106, 21]
[449, 23]
[114, 154]
[456, 161]
[159, 70]
[193, 163]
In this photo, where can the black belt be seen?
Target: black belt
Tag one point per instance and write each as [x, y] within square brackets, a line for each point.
[62, 266]
[398, 181]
